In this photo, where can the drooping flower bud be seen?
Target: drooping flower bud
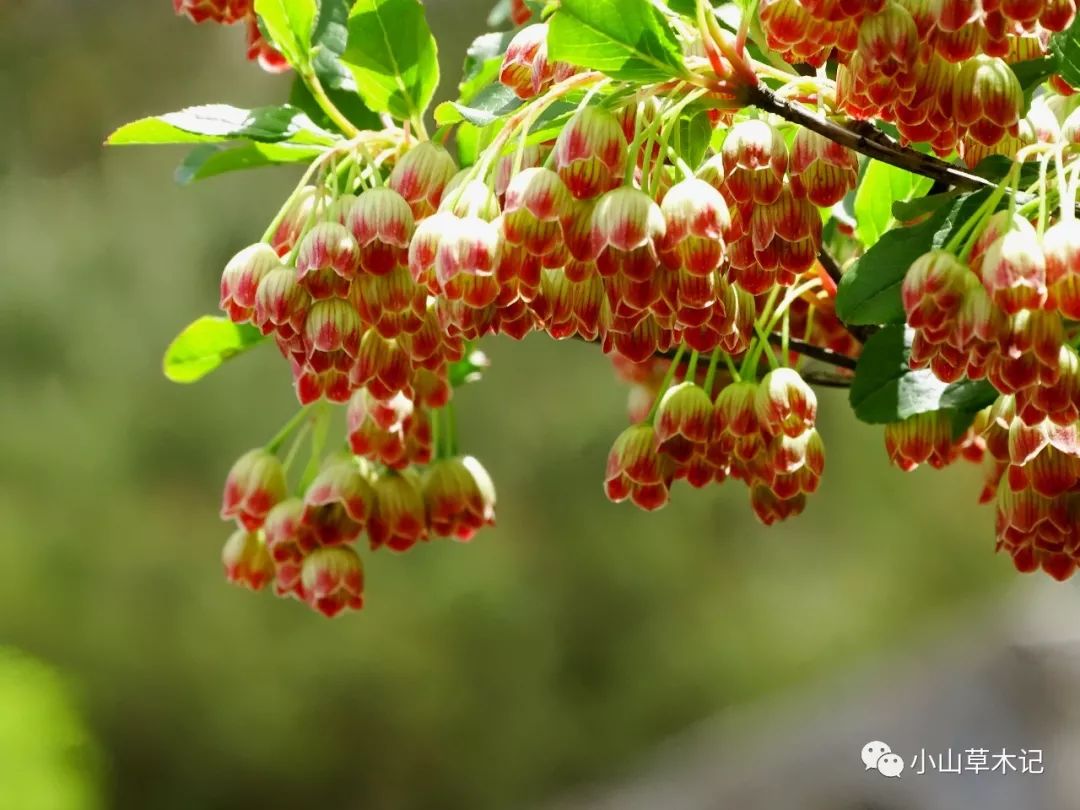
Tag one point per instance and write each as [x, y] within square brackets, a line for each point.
[821, 170]
[988, 101]
[398, 520]
[1061, 247]
[770, 509]
[382, 365]
[889, 44]
[636, 469]
[920, 439]
[421, 175]
[225, 12]
[281, 304]
[333, 579]
[1014, 269]
[590, 152]
[684, 421]
[459, 496]
[537, 203]
[254, 484]
[525, 68]
[933, 291]
[241, 278]
[381, 221]
[626, 225]
[755, 158]
[327, 260]
[736, 410]
[342, 484]
[246, 560]
[696, 219]
[297, 217]
[785, 403]
[332, 325]
[288, 540]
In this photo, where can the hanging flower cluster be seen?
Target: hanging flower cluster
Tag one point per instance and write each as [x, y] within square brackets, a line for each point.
[691, 204]
[937, 70]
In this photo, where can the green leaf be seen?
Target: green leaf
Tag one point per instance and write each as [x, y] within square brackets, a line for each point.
[693, 136]
[482, 62]
[205, 344]
[289, 24]
[687, 8]
[217, 123]
[886, 389]
[328, 43]
[1065, 48]
[907, 210]
[393, 56]
[211, 159]
[468, 139]
[881, 186]
[1033, 72]
[347, 101]
[626, 39]
[869, 292]
[493, 102]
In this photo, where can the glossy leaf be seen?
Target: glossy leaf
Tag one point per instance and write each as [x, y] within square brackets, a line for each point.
[217, 123]
[482, 62]
[1065, 48]
[289, 24]
[886, 389]
[626, 39]
[204, 345]
[493, 102]
[881, 186]
[869, 292]
[393, 56]
[211, 159]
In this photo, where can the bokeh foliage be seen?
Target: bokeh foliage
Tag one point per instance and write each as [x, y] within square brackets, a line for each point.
[557, 649]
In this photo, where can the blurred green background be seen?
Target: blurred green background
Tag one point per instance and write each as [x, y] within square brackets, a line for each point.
[555, 650]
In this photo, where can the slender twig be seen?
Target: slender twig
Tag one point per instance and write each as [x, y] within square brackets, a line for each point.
[875, 144]
[815, 352]
[830, 265]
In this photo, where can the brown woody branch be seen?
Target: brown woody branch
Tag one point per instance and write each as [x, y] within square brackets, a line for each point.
[819, 353]
[869, 141]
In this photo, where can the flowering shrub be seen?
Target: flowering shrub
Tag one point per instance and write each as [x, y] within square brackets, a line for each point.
[736, 201]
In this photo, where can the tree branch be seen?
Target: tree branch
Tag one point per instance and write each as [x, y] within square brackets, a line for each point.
[830, 265]
[875, 144]
[816, 352]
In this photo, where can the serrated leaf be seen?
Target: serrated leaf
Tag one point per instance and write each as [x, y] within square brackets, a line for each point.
[217, 123]
[211, 159]
[328, 42]
[289, 24]
[1065, 48]
[393, 56]
[881, 186]
[869, 292]
[626, 39]
[205, 344]
[886, 389]
[493, 102]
